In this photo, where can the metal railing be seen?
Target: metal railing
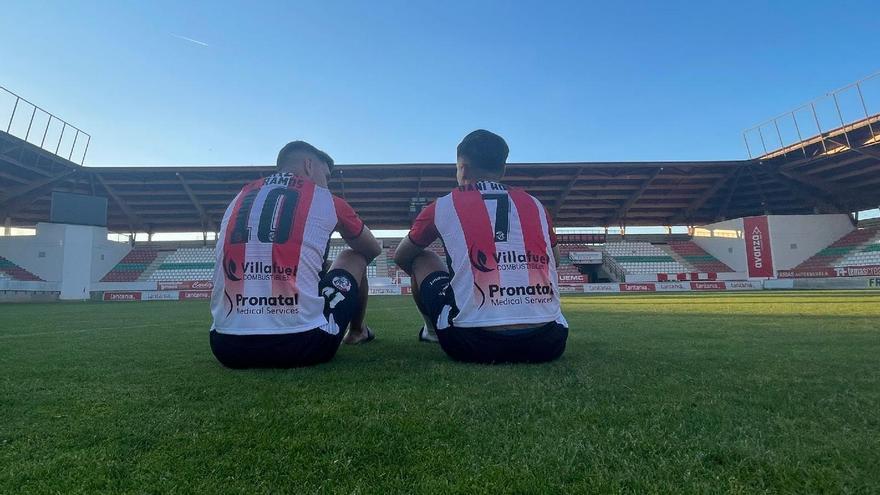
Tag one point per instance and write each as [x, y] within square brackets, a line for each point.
[770, 132]
[20, 107]
[612, 267]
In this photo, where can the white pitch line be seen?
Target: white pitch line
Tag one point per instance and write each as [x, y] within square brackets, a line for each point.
[66, 332]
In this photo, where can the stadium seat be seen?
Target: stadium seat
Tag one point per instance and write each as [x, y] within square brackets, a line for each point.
[131, 266]
[185, 264]
[698, 258]
[855, 248]
[644, 258]
[12, 271]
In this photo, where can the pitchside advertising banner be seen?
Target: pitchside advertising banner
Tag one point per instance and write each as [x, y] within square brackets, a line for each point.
[385, 290]
[571, 279]
[759, 256]
[167, 291]
[157, 295]
[676, 286]
[841, 271]
[395, 290]
[190, 285]
[122, 296]
[160, 295]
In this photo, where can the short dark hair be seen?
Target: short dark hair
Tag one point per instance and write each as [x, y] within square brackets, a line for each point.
[484, 150]
[301, 147]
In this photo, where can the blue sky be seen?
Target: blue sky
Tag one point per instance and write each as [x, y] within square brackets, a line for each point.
[385, 82]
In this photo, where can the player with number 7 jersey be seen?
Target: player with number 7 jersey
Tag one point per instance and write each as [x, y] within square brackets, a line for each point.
[274, 304]
[497, 299]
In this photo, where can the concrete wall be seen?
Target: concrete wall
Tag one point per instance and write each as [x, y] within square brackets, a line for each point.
[13, 296]
[44, 254]
[39, 254]
[715, 239]
[106, 254]
[76, 268]
[794, 238]
[73, 256]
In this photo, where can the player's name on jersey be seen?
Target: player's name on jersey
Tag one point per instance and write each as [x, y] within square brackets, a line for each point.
[483, 186]
[283, 179]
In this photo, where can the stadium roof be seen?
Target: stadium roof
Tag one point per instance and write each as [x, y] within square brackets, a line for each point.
[837, 172]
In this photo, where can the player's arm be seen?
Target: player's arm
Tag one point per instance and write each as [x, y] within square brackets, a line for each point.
[354, 232]
[422, 234]
[365, 244]
[551, 230]
[407, 251]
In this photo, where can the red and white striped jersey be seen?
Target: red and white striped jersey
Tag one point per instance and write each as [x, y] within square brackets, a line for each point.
[499, 240]
[272, 244]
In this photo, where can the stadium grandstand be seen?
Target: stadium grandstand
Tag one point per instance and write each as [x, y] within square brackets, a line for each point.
[785, 218]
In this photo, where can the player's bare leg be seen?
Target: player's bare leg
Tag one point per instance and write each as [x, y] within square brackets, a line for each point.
[358, 331]
[423, 265]
[356, 265]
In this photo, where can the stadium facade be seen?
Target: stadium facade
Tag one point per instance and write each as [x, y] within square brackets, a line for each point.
[784, 219]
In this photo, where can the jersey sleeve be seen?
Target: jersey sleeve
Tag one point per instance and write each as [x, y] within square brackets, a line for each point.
[551, 230]
[424, 230]
[348, 223]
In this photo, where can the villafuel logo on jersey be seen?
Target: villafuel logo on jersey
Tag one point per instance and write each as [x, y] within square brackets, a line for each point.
[257, 270]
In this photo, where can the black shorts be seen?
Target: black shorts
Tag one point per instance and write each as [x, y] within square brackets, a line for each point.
[290, 350]
[528, 345]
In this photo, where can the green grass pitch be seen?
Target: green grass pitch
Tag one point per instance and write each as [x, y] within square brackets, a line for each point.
[709, 393]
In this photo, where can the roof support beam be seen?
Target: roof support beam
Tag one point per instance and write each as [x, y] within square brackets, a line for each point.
[206, 220]
[831, 165]
[701, 200]
[558, 205]
[13, 178]
[764, 205]
[133, 219]
[624, 209]
[722, 212]
[816, 198]
[29, 193]
[809, 181]
[862, 150]
[18, 163]
[855, 173]
[820, 155]
[32, 186]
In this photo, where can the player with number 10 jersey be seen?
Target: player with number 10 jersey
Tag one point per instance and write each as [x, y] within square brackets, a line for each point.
[274, 304]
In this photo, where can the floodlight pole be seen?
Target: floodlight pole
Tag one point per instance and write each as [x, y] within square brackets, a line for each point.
[14, 108]
[763, 144]
[819, 127]
[798, 129]
[30, 124]
[865, 109]
[842, 123]
[746, 140]
[779, 135]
